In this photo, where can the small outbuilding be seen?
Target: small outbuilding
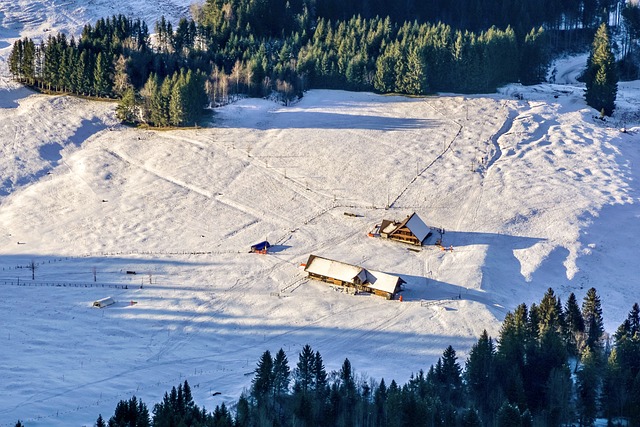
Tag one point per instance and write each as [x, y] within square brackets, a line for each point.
[260, 248]
[411, 230]
[353, 276]
[104, 302]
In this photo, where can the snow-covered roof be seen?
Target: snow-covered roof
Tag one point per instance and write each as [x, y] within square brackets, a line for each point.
[412, 222]
[383, 281]
[104, 302]
[417, 227]
[388, 227]
[335, 269]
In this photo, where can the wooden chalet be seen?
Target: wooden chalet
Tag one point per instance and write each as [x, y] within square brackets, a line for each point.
[353, 276]
[411, 230]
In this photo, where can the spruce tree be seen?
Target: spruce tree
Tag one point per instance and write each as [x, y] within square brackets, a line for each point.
[127, 108]
[574, 324]
[480, 374]
[16, 58]
[303, 374]
[177, 102]
[281, 374]
[594, 324]
[588, 384]
[102, 76]
[262, 384]
[509, 416]
[601, 76]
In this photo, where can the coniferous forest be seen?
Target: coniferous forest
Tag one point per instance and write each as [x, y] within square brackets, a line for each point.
[264, 47]
[551, 365]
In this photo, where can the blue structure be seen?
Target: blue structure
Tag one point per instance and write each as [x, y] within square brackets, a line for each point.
[261, 247]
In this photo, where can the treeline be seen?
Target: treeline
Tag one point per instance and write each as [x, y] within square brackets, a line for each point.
[274, 18]
[551, 365]
[265, 47]
[358, 54]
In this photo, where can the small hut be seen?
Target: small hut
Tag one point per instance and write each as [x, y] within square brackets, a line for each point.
[411, 230]
[104, 302]
[260, 248]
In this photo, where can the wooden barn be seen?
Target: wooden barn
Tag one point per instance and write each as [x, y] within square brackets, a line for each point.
[411, 230]
[353, 276]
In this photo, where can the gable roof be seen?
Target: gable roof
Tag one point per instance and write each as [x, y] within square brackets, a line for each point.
[347, 273]
[416, 225]
[383, 281]
[335, 269]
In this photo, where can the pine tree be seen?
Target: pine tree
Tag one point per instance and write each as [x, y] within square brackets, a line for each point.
[243, 415]
[614, 388]
[451, 377]
[28, 61]
[16, 58]
[588, 384]
[471, 418]
[304, 372]
[601, 75]
[100, 421]
[281, 374]
[178, 113]
[574, 324]
[480, 374]
[509, 416]
[102, 76]
[414, 79]
[594, 324]
[262, 384]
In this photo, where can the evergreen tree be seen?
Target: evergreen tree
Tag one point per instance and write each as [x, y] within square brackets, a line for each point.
[480, 375]
[413, 78]
[510, 357]
[150, 94]
[601, 75]
[100, 421]
[262, 384]
[594, 324]
[557, 409]
[471, 418]
[177, 102]
[101, 76]
[450, 377]
[128, 413]
[243, 417]
[281, 374]
[509, 416]
[574, 325]
[614, 388]
[588, 383]
[304, 380]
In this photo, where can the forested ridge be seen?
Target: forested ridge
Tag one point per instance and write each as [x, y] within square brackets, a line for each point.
[551, 365]
[277, 47]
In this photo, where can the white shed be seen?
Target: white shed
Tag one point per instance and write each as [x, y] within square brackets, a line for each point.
[104, 302]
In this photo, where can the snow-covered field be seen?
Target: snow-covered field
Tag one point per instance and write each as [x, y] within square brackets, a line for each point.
[532, 193]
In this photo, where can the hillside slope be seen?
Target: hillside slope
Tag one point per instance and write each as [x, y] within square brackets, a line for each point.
[531, 193]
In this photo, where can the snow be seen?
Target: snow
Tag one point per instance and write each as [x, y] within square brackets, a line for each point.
[382, 281]
[533, 193]
[417, 227]
[335, 269]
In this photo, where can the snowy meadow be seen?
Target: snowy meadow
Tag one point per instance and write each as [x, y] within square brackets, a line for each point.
[531, 190]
